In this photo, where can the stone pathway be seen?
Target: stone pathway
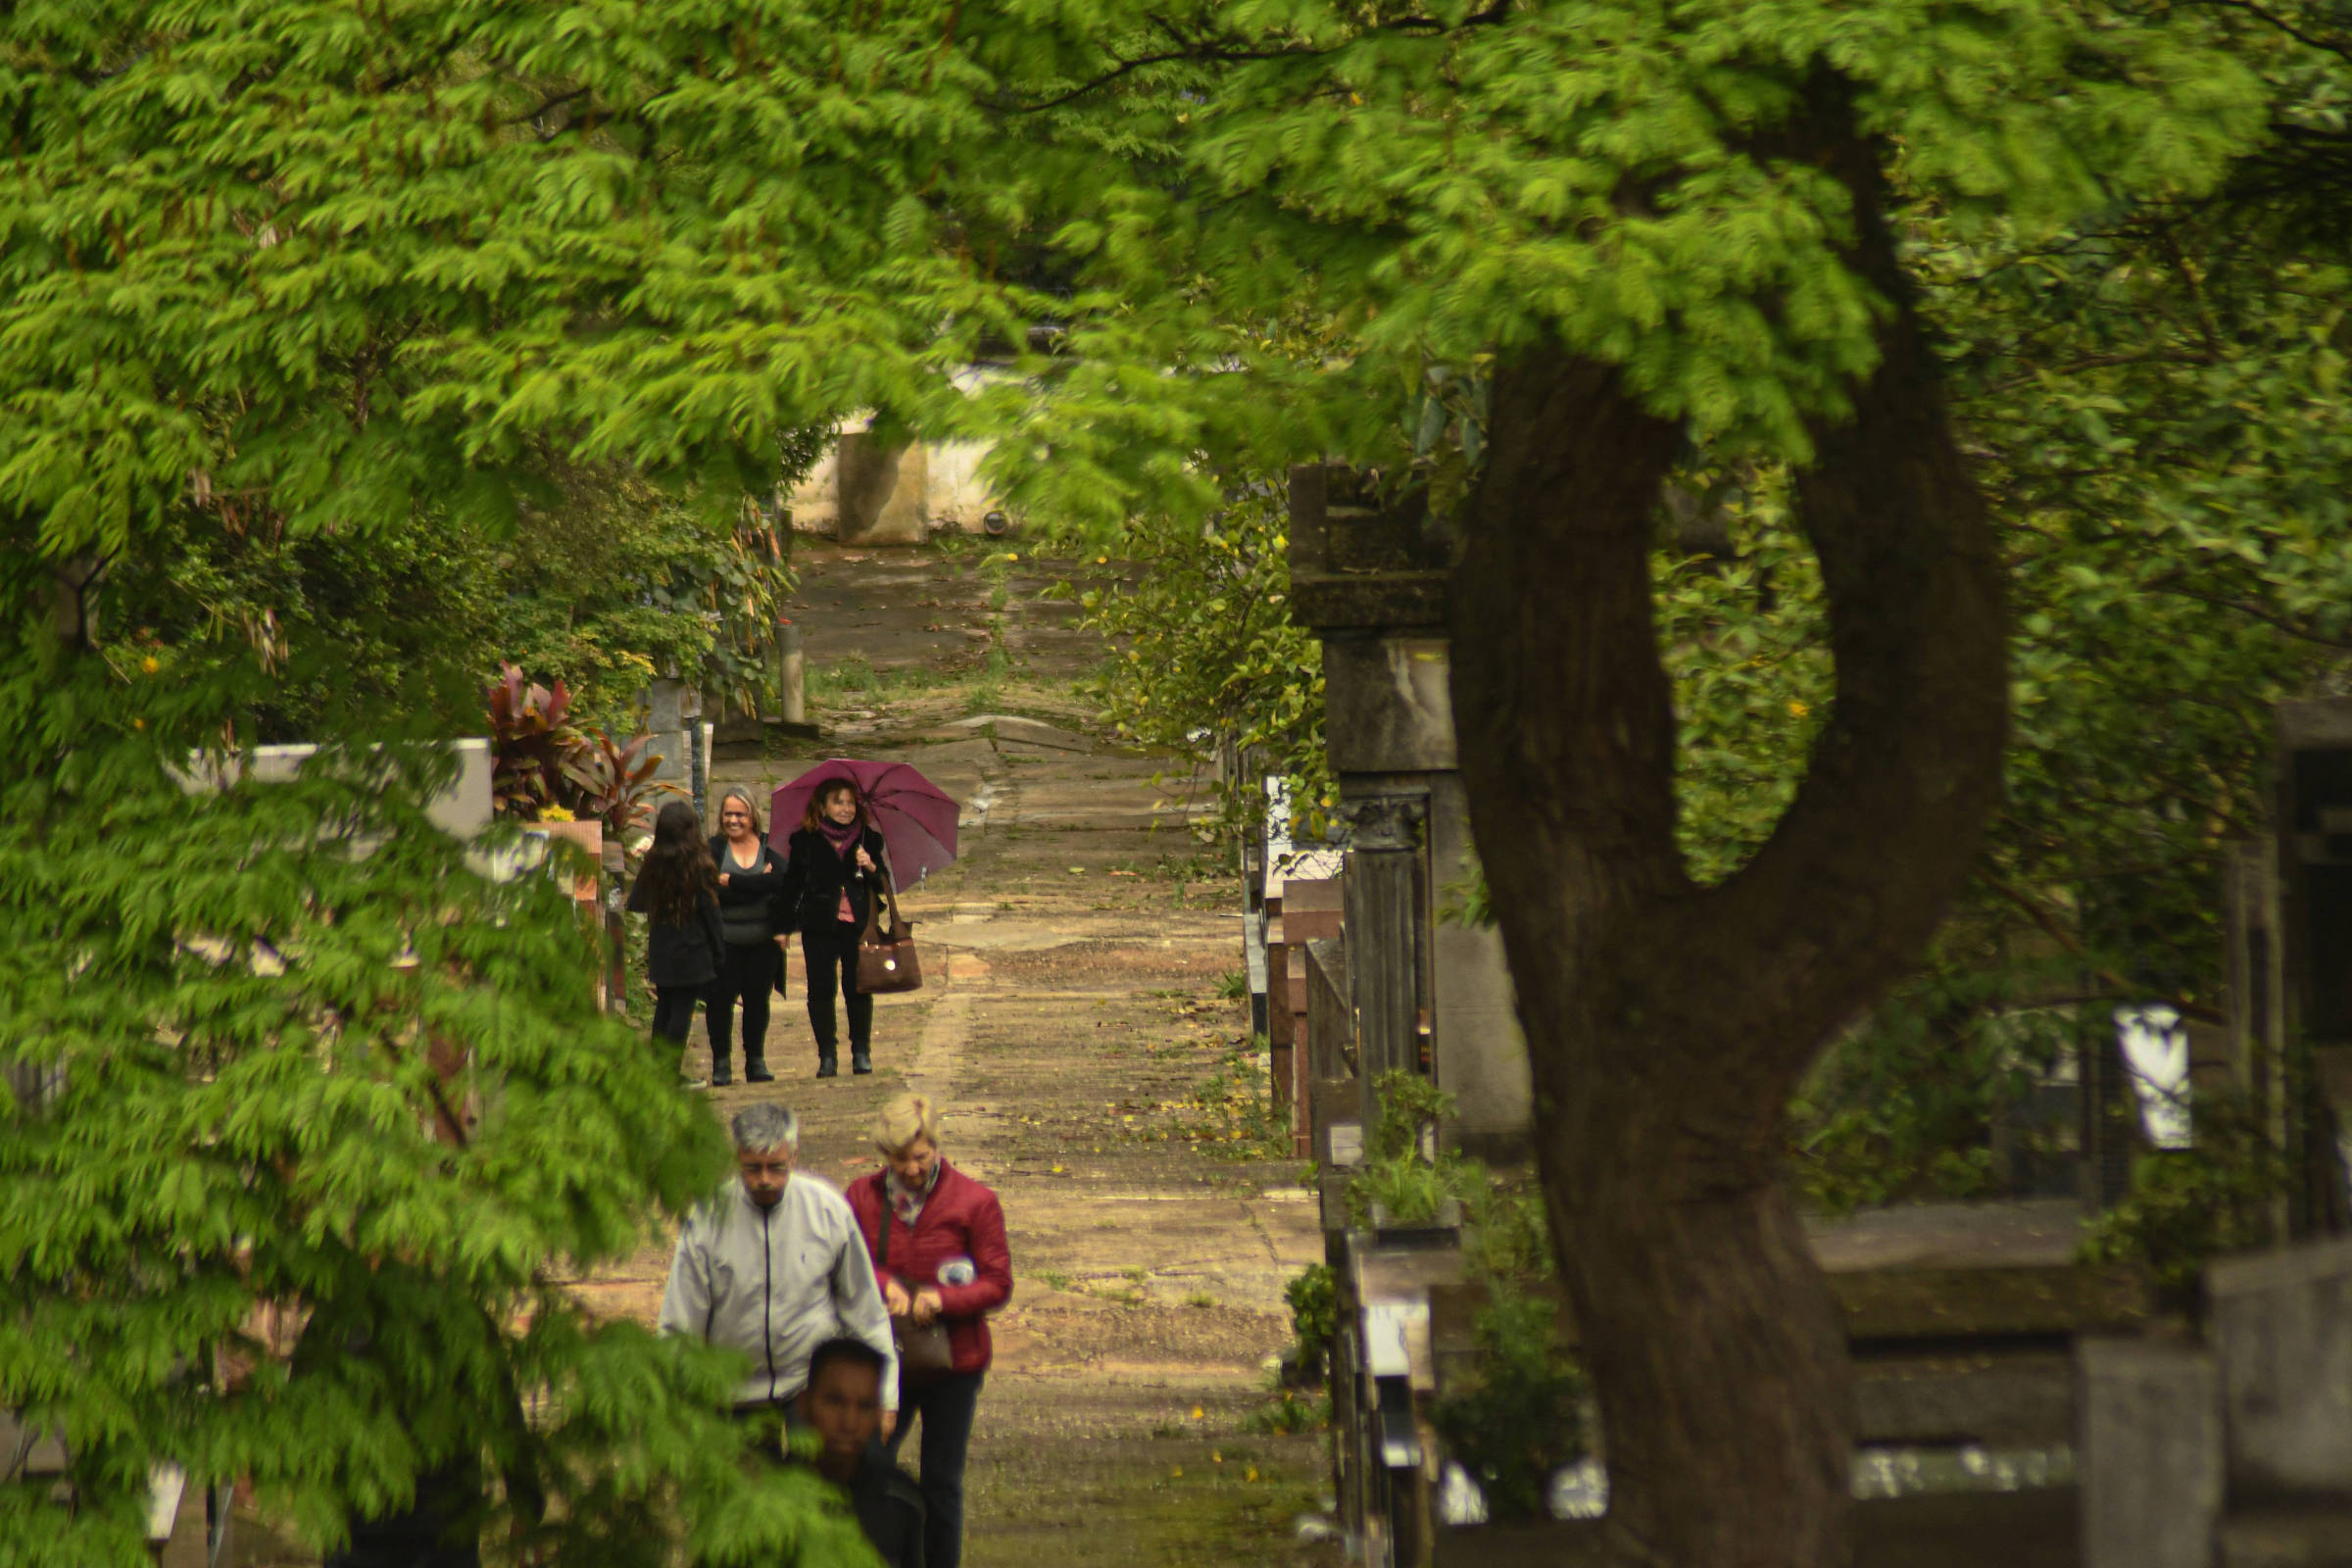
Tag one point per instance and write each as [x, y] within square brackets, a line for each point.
[1074, 1030]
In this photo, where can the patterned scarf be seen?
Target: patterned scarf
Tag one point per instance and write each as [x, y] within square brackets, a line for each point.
[907, 1202]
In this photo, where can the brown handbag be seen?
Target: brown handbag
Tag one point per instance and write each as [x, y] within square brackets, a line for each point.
[887, 961]
[924, 1354]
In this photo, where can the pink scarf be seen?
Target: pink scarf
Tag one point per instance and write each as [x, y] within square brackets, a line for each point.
[845, 838]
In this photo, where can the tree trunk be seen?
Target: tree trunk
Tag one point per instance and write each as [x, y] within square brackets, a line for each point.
[1668, 1023]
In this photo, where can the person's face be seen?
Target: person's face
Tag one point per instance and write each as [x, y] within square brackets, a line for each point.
[844, 1405]
[841, 806]
[735, 820]
[764, 1173]
[914, 1164]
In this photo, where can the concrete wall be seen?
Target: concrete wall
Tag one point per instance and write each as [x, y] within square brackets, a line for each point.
[1480, 1055]
[955, 494]
[2151, 1451]
[1387, 705]
[862, 494]
[2283, 1324]
[462, 809]
[879, 491]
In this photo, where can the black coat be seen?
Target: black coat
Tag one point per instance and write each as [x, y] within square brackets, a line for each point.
[750, 902]
[890, 1509]
[815, 874]
[681, 955]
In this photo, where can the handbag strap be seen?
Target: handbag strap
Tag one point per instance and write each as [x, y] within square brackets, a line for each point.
[882, 1254]
[890, 896]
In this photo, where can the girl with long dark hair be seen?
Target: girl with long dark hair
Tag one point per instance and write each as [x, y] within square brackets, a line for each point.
[832, 874]
[678, 891]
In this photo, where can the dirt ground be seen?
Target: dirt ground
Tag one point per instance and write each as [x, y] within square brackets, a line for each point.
[1077, 1026]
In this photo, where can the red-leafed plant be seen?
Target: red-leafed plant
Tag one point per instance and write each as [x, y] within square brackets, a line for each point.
[614, 783]
[532, 741]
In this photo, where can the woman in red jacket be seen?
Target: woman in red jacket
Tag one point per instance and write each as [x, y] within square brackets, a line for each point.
[937, 1238]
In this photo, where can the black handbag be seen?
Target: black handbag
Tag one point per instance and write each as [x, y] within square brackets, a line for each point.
[926, 1356]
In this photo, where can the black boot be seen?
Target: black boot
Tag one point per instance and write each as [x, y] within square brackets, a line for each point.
[860, 1063]
[755, 1069]
[827, 1067]
[720, 1077]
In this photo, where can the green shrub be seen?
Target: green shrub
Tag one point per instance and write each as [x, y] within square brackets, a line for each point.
[1404, 1173]
[1314, 1297]
[1290, 1411]
[2188, 1207]
[1523, 1416]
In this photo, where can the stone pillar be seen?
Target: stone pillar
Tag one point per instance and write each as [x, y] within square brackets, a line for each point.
[792, 674]
[466, 807]
[1334, 1102]
[1370, 562]
[671, 707]
[1386, 902]
[2281, 1324]
[698, 741]
[2313, 773]
[2150, 1454]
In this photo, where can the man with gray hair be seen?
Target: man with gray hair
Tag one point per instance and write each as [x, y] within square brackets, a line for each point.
[773, 1266]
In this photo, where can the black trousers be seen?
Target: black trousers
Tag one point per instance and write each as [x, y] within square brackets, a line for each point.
[673, 1011]
[832, 956]
[745, 974]
[947, 1408]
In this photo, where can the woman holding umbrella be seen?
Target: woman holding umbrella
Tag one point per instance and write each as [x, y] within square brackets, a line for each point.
[833, 873]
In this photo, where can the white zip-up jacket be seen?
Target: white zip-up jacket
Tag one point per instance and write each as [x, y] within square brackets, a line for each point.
[776, 1283]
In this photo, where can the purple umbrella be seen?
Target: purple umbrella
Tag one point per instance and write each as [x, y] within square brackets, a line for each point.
[915, 817]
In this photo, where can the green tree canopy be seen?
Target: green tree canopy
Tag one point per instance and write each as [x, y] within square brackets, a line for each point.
[368, 273]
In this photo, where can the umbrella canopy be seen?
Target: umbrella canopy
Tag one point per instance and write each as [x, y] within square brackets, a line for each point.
[915, 817]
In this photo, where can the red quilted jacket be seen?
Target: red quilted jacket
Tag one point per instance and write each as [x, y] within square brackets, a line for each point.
[961, 1218]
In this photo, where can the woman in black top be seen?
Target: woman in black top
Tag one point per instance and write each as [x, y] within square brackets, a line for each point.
[677, 889]
[751, 875]
[833, 871]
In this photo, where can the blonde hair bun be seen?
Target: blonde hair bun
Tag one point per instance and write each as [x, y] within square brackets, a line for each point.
[904, 1120]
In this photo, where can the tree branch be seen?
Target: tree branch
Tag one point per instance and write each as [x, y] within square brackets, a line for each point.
[534, 116]
[1206, 53]
[2339, 47]
[1883, 832]
[2169, 583]
[2052, 928]
[1199, 53]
